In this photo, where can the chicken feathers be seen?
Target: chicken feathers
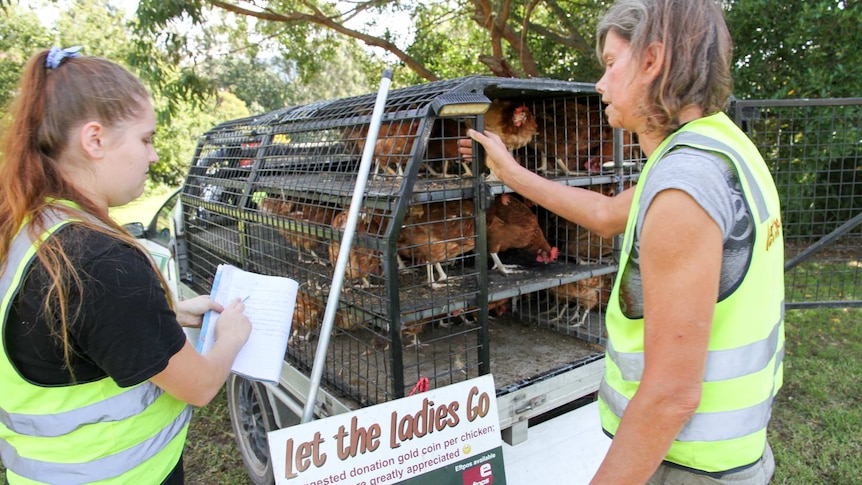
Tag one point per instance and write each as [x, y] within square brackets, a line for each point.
[512, 225]
[308, 315]
[438, 232]
[571, 132]
[586, 294]
[513, 122]
[362, 261]
[393, 147]
[443, 148]
[308, 214]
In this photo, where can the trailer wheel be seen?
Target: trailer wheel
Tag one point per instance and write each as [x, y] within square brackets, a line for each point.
[251, 417]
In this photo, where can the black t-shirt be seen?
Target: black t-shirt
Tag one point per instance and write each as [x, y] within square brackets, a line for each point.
[124, 329]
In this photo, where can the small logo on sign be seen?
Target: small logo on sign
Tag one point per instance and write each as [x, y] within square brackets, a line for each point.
[479, 475]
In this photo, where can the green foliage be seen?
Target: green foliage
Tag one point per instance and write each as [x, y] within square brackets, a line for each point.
[796, 49]
[252, 80]
[102, 30]
[783, 49]
[229, 58]
[96, 25]
[557, 35]
[308, 45]
[21, 35]
[348, 73]
[178, 85]
[161, 52]
[176, 141]
[814, 153]
[289, 52]
[563, 39]
[447, 43]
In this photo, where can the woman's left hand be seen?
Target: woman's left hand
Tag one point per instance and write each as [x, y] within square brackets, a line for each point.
[190, 313]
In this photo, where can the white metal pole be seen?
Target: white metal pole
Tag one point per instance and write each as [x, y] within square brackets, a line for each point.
[344, 249]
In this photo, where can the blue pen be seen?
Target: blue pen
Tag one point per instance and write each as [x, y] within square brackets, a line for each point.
[244, 299]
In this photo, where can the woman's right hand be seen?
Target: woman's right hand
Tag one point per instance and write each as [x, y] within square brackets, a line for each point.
[498, 159]
[195, 378]
[233, 324]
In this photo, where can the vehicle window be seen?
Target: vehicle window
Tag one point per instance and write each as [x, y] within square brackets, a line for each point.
[163, 223]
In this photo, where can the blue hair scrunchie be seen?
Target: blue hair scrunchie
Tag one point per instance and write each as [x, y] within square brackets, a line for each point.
[56, 55]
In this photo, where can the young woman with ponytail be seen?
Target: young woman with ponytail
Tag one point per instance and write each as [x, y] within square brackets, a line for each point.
[95, 370]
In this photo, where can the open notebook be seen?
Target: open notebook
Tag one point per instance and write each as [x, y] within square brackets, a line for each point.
[269, 304]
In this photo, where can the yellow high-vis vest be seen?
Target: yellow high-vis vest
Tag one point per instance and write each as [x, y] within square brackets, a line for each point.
[80, 433]
[746, 346]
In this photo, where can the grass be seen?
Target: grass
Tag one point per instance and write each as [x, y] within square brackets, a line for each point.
[816, 418]
[824, 281]
[143, 208]
[211, 454]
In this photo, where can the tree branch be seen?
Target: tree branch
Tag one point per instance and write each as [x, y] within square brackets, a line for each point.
[485, 17]
[571, 38]
[520, 44]
[323, 20]
[500, 67]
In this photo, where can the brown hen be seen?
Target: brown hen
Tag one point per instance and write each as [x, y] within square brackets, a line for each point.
[393, 146]
[437, 232]
[586, 294]
[496, 308]
[570, 133]
[309, 214]
[414, 329]
[362, 261]
[512, 225]
[443, 148]
[602, 155]
[512, 121]
[308, 315]
[586, 244]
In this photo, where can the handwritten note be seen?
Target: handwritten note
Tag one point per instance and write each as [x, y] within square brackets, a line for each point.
[269, 305]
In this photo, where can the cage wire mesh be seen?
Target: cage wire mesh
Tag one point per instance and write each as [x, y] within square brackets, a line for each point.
[812, 148]
[449, 276]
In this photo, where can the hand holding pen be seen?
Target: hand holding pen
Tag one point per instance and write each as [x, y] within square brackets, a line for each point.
[233, 323]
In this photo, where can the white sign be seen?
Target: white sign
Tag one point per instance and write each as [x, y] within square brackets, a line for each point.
[449, 435]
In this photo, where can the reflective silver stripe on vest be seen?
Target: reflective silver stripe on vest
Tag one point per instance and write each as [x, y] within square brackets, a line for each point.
[116, 408]
[101, 469]
[18, 250]
[686, 137]
[719, 426]
[720, 364]
[15, 259]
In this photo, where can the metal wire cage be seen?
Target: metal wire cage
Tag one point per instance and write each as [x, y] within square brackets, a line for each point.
[426, 293]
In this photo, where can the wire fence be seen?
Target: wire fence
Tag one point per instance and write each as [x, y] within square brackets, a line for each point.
[814, 150]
